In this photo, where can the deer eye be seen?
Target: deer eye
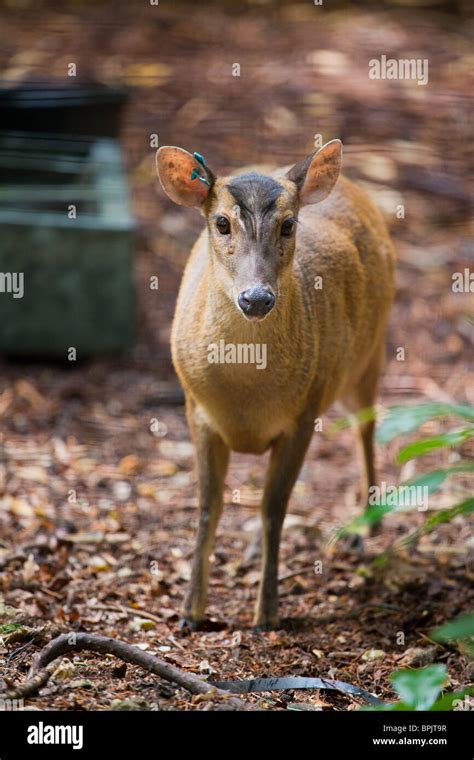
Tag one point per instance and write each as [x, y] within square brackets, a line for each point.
[287, 227]
[223, 225]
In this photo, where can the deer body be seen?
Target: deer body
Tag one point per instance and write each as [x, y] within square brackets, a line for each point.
[318, 301]
[319, 343]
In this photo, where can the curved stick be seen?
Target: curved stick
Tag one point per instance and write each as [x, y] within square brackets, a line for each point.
[41, 670]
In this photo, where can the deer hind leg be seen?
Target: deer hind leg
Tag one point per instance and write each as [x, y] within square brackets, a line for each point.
[363, 396]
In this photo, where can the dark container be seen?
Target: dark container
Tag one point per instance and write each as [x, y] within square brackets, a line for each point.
[66, 247]
[76, 109]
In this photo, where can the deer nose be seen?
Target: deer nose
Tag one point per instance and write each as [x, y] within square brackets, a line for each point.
[256, 301]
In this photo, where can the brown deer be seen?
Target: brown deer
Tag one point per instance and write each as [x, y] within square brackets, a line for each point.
[299, 263]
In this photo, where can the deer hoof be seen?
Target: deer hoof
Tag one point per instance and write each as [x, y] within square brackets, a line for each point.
[188, 625]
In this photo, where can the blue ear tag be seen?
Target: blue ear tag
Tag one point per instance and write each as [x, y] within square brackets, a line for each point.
[200, 158]
[196, 175]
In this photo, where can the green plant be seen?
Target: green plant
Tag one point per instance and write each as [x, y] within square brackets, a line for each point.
[402, 420]
[460, 630]
[7, 628]
[421, 690]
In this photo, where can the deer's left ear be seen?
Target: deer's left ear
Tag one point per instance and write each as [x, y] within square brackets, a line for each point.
[185, 178]
[317, 174]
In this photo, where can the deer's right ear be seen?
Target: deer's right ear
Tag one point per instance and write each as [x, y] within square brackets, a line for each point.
[184, 177]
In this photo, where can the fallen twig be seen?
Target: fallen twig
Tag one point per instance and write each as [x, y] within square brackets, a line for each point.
[31, 686]
[41, 669]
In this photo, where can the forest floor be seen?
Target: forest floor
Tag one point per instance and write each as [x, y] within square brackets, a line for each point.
[98, 513]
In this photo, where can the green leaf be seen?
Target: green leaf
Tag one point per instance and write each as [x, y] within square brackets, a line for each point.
[454, 701]
[453, 438]
[375, 513]
[388, 707]
[371, 516]
[431, 480]
[401, 420]
[434, 480]
[420, 688]
[363, 415]
[431, 522]
[9, 628]
[438, 518]
[458, 629]
[447, 703]
[445, 515]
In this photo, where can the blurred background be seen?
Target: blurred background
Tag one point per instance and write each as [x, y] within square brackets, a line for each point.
[94, 444]
[166, 73]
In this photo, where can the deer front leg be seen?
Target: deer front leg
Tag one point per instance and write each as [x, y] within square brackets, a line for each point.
[212, 459]
[287, 457]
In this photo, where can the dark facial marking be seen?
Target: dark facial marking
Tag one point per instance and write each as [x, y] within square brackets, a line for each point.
[256, 195]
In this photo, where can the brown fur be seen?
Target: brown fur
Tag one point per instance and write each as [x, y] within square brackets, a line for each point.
[322, 345]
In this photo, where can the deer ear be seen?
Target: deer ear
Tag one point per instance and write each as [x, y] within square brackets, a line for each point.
[184, 177]
[317, 174]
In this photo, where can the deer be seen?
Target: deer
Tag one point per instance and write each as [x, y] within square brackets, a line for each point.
[299, 260]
